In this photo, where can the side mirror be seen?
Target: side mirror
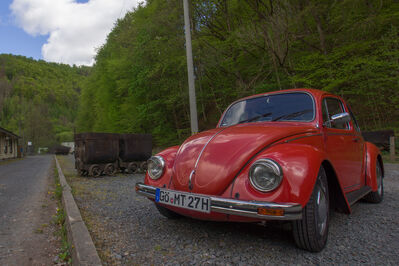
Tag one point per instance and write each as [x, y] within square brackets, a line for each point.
[341, 118]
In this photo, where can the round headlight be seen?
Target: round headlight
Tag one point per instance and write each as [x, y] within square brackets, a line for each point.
[265, 175]
[156, 165]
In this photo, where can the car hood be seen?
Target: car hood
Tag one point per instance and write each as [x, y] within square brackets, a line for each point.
[214, 157]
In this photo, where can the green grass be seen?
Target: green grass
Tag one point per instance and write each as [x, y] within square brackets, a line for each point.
[59, 219]
[386, 157]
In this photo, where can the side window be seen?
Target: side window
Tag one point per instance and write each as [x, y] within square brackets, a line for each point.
[334, 106]
[326, 121]
[355, 124]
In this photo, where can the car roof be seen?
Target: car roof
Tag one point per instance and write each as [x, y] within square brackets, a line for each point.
[316, 93]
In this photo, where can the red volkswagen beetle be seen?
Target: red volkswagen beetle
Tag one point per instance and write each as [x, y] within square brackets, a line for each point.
[287, 155]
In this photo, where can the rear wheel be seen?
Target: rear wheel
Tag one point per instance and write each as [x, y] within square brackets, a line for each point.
[167, 213]
[377, 196]
[311, 232]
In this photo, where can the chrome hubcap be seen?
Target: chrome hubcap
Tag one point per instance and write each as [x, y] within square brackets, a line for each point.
[322, 209]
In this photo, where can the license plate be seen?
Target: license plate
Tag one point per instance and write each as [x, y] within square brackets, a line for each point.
[183, 200]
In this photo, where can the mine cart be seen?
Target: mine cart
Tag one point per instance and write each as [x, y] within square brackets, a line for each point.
[60, 149]
[134, 151]
[96, 153]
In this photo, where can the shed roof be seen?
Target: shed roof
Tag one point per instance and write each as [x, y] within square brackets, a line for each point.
[9, 133]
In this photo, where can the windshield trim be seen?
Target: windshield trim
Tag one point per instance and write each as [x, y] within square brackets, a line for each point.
[269, 94]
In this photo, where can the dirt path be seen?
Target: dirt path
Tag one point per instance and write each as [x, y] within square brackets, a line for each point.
[26, 209]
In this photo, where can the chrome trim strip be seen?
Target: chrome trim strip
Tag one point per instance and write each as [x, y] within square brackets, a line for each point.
[341, 134]
[238, 207]
[203, 148]
[307, 136]
[190, 185]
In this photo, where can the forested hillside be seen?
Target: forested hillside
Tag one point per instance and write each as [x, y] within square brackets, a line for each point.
[139, 81]
[39, 100]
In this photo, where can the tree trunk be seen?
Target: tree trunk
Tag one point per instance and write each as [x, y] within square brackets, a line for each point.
[320, 30]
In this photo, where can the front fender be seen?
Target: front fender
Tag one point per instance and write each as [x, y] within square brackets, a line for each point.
[300, 164]
[169, 156]
[372, 154]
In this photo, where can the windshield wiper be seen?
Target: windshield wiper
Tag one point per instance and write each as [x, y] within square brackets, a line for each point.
[254, 118]
[292, 115]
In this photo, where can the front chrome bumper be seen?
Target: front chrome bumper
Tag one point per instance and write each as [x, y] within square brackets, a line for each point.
[239, 207]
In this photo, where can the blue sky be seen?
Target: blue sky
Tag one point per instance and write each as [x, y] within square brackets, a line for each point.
[63, 31]
[13, 40]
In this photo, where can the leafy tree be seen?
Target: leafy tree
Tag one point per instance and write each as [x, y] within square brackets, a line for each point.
[138, 83]
[39, 100]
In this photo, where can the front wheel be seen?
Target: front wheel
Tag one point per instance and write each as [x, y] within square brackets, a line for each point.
[377, 196]
[311, 232]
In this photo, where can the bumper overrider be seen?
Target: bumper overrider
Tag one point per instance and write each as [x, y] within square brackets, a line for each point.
[253, 209]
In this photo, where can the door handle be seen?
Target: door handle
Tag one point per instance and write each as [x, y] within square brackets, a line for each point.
[355, 139]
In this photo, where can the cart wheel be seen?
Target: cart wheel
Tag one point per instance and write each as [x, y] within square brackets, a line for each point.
[144, 166]
[81, 172]
[95, 170]
[132, 168]
[110, 169]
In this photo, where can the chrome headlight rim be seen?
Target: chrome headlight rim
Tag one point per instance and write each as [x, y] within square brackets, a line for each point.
[156, 159]
[277, 171]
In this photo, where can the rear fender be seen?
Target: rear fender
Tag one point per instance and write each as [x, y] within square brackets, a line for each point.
[372, 156]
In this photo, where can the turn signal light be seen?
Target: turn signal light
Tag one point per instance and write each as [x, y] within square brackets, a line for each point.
[272, 212]
[137, 188]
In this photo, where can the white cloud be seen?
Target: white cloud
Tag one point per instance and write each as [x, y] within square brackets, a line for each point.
[75, 29]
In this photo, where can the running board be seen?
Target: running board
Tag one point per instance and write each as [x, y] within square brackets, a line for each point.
[357, 194]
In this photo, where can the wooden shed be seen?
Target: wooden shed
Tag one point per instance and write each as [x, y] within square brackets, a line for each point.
[8, 144]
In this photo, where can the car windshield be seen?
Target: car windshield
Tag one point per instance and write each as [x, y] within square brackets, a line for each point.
[276, 107]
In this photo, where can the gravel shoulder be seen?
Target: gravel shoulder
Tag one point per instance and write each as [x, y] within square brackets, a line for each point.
[128, 230]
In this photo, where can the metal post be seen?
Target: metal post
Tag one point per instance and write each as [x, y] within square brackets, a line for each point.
[190, 71]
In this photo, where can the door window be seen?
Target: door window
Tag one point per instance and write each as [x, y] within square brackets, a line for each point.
[355, 124]
[333, 106]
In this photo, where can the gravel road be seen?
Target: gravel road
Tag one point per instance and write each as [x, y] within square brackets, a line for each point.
[26, 210]
[127, 229]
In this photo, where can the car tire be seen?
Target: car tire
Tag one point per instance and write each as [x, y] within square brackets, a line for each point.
[311, 232]
[167, 213]
[377, 196]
